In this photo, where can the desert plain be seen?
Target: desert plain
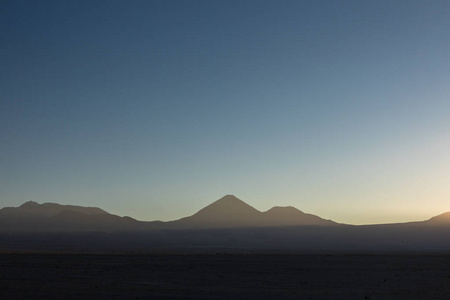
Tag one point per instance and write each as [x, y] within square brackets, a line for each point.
[223, 276]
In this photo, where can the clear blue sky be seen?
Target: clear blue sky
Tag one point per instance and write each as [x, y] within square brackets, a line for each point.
[155, 109]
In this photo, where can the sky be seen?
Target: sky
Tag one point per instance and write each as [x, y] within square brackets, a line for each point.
[155, 109]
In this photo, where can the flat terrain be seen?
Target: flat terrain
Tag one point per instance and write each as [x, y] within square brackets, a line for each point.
[224, 276]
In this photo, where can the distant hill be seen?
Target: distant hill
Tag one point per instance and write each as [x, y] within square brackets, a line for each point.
[32, 216]
[50, 209]
[290, 216]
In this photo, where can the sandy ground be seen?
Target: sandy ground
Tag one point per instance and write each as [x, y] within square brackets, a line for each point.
[224, 276]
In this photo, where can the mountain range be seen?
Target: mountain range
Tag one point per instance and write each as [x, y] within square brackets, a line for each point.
[227, 212]
[226, 224]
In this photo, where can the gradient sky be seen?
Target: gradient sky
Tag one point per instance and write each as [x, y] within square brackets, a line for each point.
[154, 109]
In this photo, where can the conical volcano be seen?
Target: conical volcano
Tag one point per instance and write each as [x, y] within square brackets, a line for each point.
[226, 207]
[228, 211]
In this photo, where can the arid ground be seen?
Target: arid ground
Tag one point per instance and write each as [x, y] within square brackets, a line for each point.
[224, 276]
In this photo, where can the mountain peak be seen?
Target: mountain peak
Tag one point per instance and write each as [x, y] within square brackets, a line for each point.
[228, 205]
[229, 199]
[228, 211]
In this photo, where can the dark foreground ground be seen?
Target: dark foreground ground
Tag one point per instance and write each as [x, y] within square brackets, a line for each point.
[224, 276]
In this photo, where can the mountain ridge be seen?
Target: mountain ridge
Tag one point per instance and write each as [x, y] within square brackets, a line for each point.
[293, 216]
[32, 216]
[49, 208]
[226, 212]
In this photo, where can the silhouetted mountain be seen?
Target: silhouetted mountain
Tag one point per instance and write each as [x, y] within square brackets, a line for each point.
[228, 211]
